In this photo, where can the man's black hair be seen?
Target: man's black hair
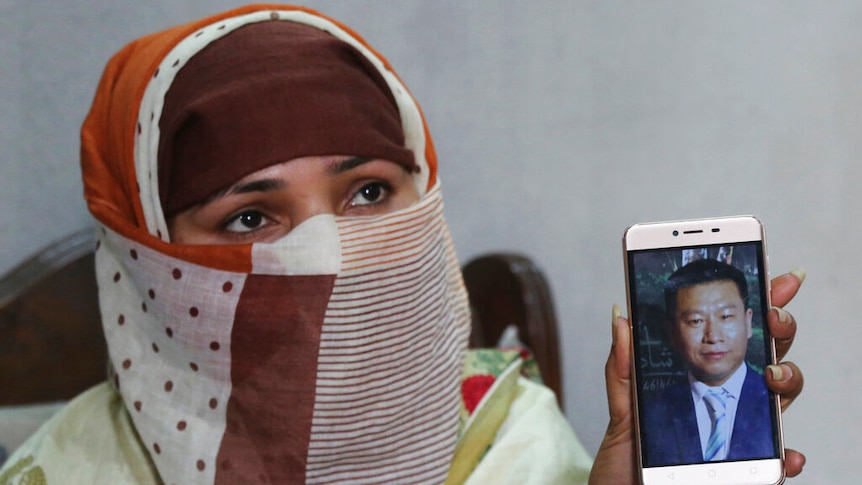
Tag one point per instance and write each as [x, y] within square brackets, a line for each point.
[699, 272]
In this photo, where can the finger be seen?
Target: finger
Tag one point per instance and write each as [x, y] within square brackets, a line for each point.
[786, 380]
[782, 326]
[618, 371]
[615, 458]
[793, 462]
[784, 287]
[622, 348]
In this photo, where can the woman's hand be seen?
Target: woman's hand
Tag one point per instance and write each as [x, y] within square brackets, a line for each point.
[615, 461]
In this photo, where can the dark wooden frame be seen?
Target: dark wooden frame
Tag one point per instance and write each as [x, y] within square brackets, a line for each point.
[509, 289]
[51, 341]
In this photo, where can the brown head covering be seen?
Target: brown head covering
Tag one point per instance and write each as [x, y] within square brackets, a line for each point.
[264, 94]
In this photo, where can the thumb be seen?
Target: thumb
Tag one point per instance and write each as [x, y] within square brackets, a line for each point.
[618, 372]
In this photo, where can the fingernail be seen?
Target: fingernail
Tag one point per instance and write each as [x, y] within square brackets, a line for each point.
[799, 273]
[780, 373]
[783, 316]
[615, 315]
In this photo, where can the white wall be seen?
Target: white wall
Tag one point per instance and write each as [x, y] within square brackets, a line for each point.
[557, 124]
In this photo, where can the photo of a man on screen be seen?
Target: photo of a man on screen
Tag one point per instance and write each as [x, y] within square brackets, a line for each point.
[722, 411]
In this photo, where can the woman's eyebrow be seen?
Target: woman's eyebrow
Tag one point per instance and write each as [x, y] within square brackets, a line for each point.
[265, 185]
[262, 185]
[347, 164]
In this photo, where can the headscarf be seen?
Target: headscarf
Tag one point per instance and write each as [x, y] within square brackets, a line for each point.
[266, 93]
[332, 355]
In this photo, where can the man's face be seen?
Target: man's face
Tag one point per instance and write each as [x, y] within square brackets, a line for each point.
[711, 329]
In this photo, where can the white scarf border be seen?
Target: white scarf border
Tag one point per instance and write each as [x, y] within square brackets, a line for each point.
[150, 111]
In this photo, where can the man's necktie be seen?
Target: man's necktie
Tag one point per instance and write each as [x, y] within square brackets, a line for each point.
[716, 401]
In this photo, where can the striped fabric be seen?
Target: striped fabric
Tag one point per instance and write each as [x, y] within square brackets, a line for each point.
[716, 446]
[391, 351]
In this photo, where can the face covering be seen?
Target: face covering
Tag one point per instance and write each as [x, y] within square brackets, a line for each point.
[330, 356]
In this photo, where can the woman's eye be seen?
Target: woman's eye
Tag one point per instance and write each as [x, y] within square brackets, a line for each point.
[245, 222]
[370, 194]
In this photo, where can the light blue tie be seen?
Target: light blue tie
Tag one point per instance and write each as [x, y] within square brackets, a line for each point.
[716, 401]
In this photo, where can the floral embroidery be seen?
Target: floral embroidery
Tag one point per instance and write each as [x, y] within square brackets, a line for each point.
[529, 367]
[481, 369]
[473, 389]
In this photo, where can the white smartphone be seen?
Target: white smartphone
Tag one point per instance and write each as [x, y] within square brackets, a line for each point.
[698, 295]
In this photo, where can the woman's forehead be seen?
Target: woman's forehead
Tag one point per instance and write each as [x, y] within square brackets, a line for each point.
[268, 92]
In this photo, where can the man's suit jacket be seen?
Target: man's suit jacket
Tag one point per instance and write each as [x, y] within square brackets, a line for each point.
[671, 426]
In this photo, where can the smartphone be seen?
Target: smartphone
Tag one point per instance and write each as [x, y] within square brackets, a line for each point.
[698, 295]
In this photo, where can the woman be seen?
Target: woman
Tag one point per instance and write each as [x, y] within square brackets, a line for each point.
[279, 293]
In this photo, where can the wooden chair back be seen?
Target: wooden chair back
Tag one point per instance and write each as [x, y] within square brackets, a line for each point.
[508, 289]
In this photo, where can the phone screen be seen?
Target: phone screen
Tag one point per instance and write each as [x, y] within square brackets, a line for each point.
[701, 347]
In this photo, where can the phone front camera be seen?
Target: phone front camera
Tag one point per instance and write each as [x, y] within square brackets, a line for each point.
[676, 233]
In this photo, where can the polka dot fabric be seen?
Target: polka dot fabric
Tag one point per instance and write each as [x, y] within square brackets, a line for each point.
[168, 327]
